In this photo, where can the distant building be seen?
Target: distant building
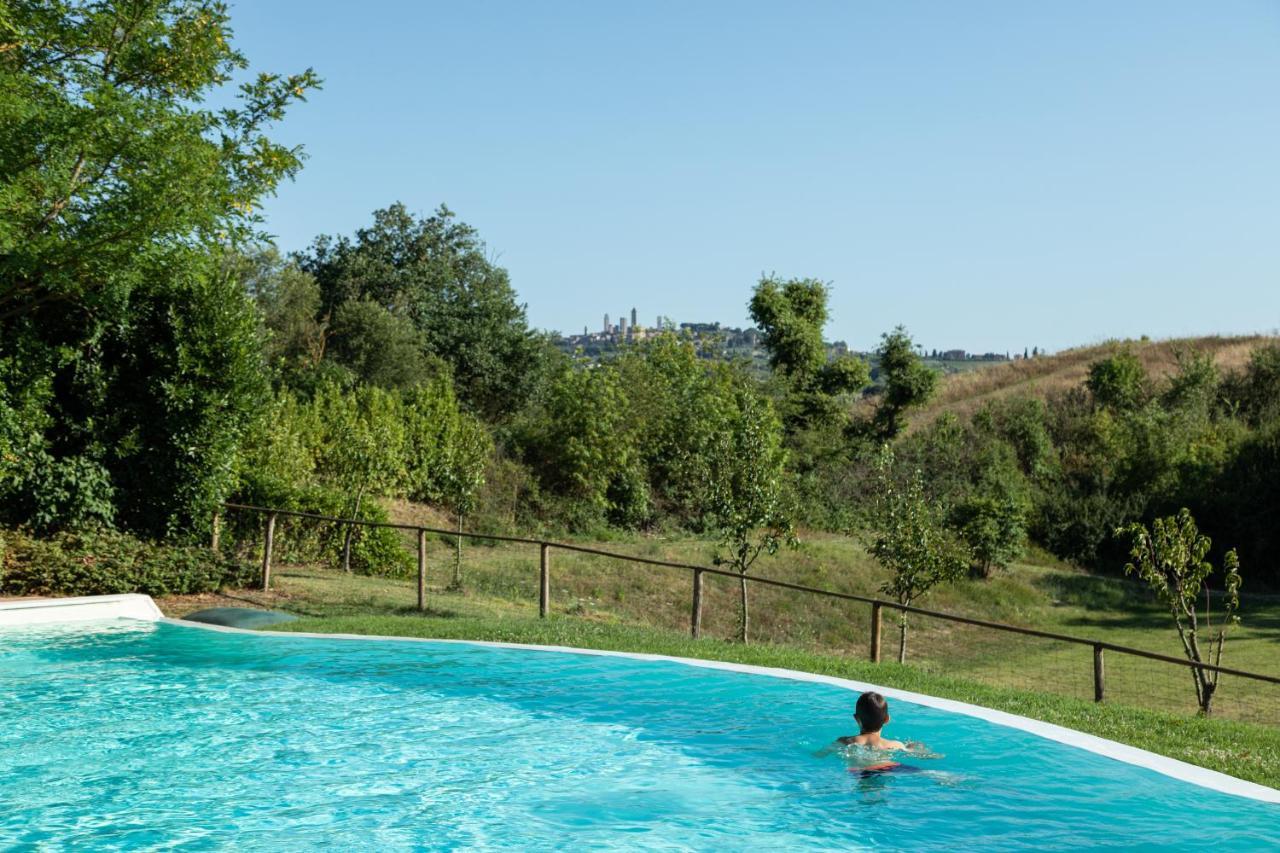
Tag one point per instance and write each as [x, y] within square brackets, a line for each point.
[954, 355]
[633, 318]
[607, 328]
[700, 328]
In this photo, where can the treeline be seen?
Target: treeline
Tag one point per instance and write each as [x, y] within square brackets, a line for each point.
[1068, 471]
[157, 358]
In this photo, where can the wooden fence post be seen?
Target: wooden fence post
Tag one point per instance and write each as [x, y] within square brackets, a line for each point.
[1098, 671]
[876, 623]
[696, 621]
[544, 581]
[266, 552]
[422, 569]
[217, 531]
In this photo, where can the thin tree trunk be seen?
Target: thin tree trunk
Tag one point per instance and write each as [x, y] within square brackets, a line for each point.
[351, 529]
[902, 639]
[457, 556]
[1204, 690]
[743, 623]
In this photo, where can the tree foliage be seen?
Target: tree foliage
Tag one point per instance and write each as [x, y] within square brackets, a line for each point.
[119, 189]
[109, 153]
[433, 272]
[908, 383]
[1118, 381]
[746, 491]
[994, 530]
[909, 539]
[792, 314]
[379, 347]
[289, 301]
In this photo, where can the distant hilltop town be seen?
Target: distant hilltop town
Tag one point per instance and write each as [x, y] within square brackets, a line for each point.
[714, 339]
[631, 330]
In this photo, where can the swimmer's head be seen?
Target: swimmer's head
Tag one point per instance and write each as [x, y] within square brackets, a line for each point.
[871, 712]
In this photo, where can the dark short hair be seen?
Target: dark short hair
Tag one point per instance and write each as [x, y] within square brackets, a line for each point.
[872, 710]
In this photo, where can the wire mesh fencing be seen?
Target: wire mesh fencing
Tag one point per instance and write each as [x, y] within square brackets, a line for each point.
[943, 646]
[1007, 656]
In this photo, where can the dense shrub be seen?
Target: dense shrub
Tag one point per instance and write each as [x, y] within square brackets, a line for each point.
[104, 562]
[631, 442]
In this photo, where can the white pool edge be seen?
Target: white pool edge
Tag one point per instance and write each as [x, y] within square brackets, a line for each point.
[47, 611]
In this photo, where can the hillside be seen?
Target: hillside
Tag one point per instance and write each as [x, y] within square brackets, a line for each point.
[966, 393]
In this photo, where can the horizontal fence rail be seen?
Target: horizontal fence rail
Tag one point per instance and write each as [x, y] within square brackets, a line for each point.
[878, 605]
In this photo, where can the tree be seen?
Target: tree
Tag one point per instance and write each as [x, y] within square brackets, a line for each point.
[1119, 381]
[289, 301]
[435, 272]
[791, 314]
[379, 347]
[581, 443]
[181, 382]
[908, 383]
[1255, 391]
[910, 541]
[108, 153]
[1170, 558]
[746, 478]
[1193, 388]
[468, 455]
[361, 449]
[994, 530]
[119, 192]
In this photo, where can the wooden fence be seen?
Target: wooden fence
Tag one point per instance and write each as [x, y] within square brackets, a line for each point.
[877, 605]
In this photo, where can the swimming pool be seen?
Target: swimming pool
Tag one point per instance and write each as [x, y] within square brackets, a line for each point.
[128, 734]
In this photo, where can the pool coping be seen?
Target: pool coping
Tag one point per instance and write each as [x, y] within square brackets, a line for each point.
[46, 611]
[143, 608]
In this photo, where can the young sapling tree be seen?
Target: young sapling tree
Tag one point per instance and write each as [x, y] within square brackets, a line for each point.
[910, 540]
[1170, 558]
[746, 491]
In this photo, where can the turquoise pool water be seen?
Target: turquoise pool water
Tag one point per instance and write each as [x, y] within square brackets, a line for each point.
[136, 736]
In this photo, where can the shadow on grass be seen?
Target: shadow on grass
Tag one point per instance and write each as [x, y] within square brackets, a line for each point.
[1118, 603]
[1093, 592]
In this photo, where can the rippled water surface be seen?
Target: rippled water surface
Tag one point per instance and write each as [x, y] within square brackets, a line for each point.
[136, 736]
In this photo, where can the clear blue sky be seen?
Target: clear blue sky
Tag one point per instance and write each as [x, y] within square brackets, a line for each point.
[993, 175]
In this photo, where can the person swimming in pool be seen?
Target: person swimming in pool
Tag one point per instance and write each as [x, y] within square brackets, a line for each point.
[868, 749]
[872, 714]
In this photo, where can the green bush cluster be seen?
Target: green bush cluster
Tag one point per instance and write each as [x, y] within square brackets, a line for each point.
[640, 440]
[1068, 470]
[341, 450]
[104, 562]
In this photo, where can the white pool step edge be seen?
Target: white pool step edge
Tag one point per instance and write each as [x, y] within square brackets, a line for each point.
[59, 610]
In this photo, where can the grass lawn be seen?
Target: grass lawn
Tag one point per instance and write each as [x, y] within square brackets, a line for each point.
[623, 607]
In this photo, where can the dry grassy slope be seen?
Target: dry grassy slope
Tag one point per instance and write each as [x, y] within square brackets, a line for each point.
[407, 512]
[966, 393]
